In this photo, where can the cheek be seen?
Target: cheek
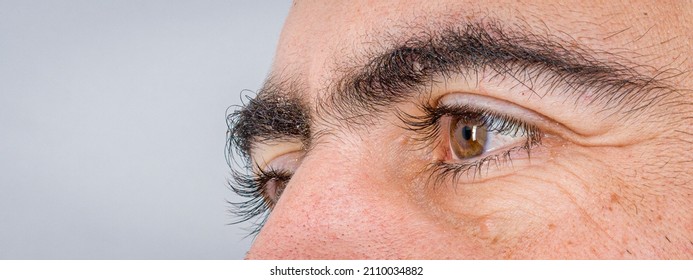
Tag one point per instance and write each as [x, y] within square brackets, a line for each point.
[354, 203]
[507, 211]
[368, 196]
[551, 208]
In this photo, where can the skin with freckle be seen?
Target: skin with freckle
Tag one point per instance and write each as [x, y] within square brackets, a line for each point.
[600, 188]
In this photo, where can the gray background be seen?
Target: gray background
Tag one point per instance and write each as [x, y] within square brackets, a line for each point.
[112, 124]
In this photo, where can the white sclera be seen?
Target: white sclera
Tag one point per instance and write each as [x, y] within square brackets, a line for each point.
[495, 140]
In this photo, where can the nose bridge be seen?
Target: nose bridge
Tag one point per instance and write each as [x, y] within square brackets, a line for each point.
[331, 202]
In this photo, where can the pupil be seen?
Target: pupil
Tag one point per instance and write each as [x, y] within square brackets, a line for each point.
[467, 133]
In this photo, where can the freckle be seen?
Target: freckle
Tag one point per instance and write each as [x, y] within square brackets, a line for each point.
[552, 226]
[569, 242]
[659, 217]
[495, 240]
[614, 198]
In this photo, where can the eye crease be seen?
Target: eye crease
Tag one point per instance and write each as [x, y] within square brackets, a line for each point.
[472, 139]
[472, 131]
[466, 137]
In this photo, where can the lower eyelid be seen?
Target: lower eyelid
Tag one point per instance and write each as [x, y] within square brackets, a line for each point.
[506, 134]
[478, 170]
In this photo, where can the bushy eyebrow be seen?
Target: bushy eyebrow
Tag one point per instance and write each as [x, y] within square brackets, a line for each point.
[409, 65]
[540, 64]
[274, 114]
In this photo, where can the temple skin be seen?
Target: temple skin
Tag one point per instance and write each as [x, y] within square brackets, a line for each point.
[599, 186]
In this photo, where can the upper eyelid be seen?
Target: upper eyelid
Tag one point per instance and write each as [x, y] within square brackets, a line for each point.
[263, 153]
[398, 72]
[442, 168]
[474, 44]
[527, 115]
[401, 71]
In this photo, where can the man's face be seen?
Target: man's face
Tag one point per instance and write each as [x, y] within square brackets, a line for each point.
[460, 129]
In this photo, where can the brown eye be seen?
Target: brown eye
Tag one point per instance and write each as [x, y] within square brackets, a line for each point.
[276, 176]
[273, 189]
[467, 138]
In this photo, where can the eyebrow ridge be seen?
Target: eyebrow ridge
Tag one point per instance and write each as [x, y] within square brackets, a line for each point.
[276, 113]
[407, 68]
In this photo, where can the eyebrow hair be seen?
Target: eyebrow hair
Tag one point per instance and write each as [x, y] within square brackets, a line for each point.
[276, 113]
[533, 61]
[408, 64]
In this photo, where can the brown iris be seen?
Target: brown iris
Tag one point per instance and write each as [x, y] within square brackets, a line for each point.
[273, 189]
[467, 139]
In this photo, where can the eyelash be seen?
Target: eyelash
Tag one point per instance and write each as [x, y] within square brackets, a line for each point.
[251, 187]
[427, 127]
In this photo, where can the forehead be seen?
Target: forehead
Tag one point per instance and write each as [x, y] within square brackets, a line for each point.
[319, 37]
